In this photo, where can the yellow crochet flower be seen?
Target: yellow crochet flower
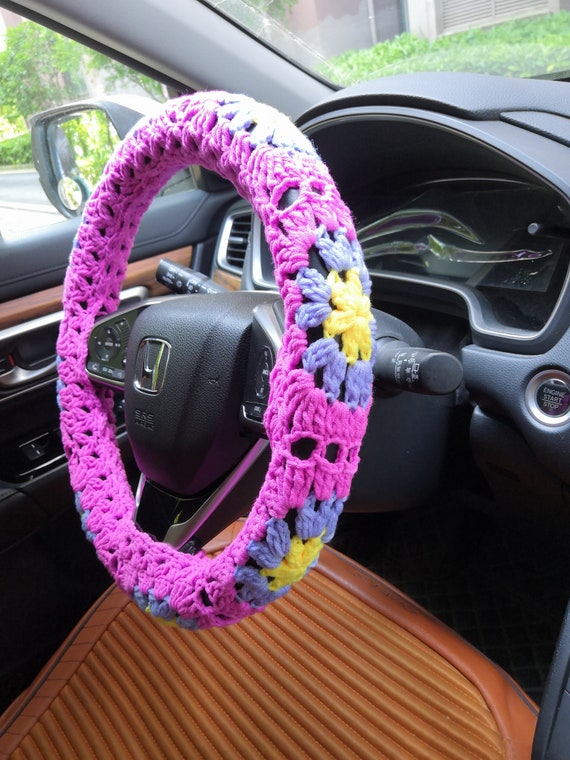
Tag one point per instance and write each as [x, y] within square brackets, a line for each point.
[350, 317]
[294, 565]
[170, 623]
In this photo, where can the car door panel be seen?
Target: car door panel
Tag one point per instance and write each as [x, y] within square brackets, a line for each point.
[172, 222]
[139, 274]
[181, 227]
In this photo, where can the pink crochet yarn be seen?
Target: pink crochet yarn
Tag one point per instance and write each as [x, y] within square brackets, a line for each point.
[320, 387]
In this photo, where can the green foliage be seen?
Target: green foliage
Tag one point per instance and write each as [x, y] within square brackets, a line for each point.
[39, 69]
[118, 76]
[520, 48]
[16, 151]
[11, 128]
[91, 138]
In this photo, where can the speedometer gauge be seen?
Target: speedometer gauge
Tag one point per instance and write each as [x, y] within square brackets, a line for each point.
[503, 241]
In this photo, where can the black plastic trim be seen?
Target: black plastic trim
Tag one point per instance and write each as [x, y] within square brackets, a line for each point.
[477, 97]
[552, 737]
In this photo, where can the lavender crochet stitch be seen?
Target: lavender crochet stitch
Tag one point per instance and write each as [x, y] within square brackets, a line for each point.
[320, 387]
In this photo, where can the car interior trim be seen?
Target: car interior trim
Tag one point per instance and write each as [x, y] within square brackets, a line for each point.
[466, 95]
[45, 302]
[18, 377]
[227, 280]
[229, 236]
[492, 337]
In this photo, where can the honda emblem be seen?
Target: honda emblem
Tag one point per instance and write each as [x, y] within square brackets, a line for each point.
[151, 364]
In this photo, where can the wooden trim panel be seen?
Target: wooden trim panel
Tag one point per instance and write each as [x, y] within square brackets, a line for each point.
[48, 301]
[227, 280]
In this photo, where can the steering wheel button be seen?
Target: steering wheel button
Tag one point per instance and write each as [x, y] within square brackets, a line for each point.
[107, 343]
[262, 371]
[254, 411]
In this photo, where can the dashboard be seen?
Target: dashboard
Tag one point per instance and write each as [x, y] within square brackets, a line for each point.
[460, 190]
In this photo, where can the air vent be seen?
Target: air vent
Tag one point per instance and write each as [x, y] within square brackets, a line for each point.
[457, 15]
[233, 241]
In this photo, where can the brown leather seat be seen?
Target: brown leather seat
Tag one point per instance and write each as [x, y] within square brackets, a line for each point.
[344, 666]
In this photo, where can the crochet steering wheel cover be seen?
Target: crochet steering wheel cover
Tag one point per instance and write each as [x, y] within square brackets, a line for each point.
[320, 388]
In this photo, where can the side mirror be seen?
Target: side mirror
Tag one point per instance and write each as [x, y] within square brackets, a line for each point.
[72, 143]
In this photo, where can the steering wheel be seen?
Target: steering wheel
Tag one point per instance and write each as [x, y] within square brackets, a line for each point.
[320, 386]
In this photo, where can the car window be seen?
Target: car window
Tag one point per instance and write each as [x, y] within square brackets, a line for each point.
[350, 41]
[63, 108]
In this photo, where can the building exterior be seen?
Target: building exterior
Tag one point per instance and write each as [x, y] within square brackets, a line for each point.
[333, 27]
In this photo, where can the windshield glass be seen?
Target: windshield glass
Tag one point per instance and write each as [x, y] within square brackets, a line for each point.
[348, 41]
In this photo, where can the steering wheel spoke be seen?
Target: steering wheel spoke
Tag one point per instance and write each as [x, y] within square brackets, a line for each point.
[188, 523]
[266, 336]
[107, 346]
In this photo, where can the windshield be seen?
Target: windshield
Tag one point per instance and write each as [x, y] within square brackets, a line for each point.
[349, 41]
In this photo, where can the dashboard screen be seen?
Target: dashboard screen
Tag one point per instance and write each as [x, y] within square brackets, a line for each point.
[507, 243]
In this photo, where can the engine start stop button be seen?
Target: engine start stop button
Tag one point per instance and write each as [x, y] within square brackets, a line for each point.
[548, 397]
